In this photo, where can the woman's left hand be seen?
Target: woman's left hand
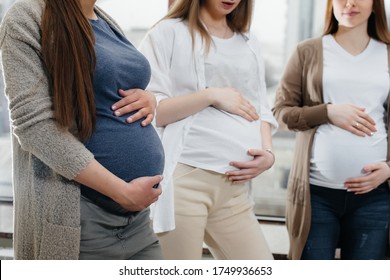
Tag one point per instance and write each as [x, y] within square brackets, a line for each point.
[262, 161]
[376, 174]
[133, 100]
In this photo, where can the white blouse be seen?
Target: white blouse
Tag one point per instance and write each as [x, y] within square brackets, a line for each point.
[178, 68]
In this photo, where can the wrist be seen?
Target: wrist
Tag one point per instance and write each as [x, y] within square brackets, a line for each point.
[118, 191]
[272, 154]
[329, 107]
[210, 98]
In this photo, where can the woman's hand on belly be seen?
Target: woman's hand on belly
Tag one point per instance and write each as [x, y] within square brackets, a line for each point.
[133, 196]
[351, 118]
[232, 101]
[376, 174]
[262, 161]
[136, 100]
[139, 193]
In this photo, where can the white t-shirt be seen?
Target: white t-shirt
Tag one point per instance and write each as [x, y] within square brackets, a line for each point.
[217, 137]
[362, 80]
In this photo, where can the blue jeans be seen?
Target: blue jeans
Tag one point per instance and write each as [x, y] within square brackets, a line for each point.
[357, 224]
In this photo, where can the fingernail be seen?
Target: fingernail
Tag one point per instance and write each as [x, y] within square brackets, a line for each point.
[113, 107]
[129, 120]
[117, 113]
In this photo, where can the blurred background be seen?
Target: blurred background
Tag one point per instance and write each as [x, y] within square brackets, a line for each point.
[279, 25]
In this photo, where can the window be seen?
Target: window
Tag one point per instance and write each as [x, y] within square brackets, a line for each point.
[280, 25]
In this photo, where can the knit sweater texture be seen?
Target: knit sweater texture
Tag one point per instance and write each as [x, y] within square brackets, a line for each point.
[45, 158]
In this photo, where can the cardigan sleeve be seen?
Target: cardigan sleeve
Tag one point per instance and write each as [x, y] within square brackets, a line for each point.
[292, 103]
[30, 103]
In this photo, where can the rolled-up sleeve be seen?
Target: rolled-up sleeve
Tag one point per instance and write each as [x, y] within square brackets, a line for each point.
[157, 51]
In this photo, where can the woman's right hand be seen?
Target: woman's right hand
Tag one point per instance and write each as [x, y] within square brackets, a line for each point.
[351, 118]
[139, 193]
[231, 101]
[133, 196]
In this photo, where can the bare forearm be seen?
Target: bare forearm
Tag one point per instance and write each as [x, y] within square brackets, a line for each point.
[134, 196]
[100, 179]
[227, 99]
[266, 135]
[177, 108]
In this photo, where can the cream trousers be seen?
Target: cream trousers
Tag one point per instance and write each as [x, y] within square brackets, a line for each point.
[209, 209]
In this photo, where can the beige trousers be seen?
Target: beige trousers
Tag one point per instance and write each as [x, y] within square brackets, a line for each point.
[208, 208]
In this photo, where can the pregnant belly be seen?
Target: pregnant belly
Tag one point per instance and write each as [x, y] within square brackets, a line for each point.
[338, 155]
[127, 150]
[216, 138]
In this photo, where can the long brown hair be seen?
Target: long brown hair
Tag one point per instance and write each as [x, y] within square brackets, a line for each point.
[69, 56]
[377, 22]
[189, 10]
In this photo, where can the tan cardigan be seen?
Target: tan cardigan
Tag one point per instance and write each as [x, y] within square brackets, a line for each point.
[45, 159]
[299, 105]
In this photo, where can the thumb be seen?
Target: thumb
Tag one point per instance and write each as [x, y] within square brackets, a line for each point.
[125, 92]
[361, 108]
[122, 92]
[255, 152]
[369, 168]
[157, 179]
